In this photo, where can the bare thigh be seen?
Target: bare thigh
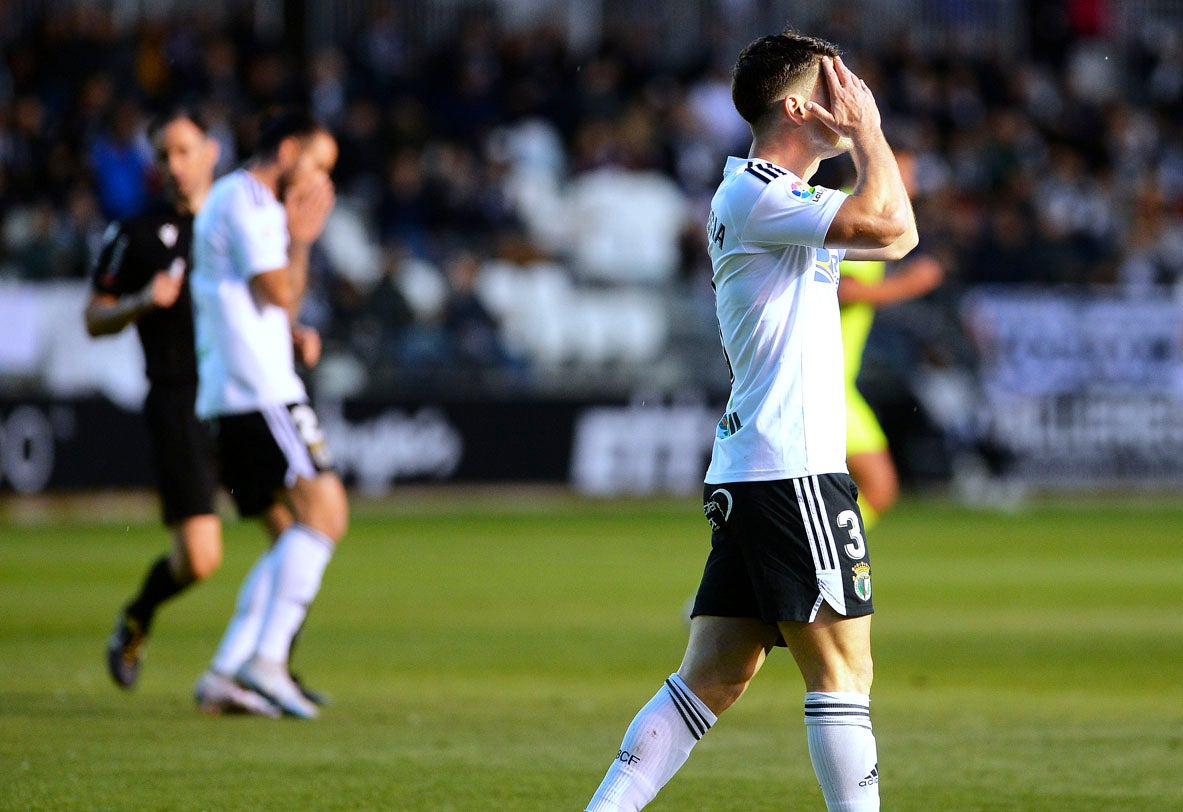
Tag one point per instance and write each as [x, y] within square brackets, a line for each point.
[722, 656]
[833, 652]
[320, 503]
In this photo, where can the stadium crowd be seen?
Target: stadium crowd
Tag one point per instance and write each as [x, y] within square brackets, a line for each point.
[509, 201]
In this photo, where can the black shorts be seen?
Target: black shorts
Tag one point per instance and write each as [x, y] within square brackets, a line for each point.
[182, 455]
[262, 453]
[780, 548]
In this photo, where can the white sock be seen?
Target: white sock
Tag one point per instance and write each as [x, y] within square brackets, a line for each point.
[842, 748]
[301, 555]
[655, 745]
[242, 632]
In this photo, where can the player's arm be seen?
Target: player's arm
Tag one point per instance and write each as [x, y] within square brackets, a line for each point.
[306, 344]
[284, 287]
[109, 311]
[897, 250]
[875, 221]
[916, 278]
[307, 209]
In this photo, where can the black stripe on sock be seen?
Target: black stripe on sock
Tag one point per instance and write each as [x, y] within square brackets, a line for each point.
[693, 719]
[690, 702]
[816, 713]
[816, 704]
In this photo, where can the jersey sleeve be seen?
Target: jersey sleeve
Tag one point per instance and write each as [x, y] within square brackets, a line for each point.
[792, 213]
[109, 275]
[260, 236]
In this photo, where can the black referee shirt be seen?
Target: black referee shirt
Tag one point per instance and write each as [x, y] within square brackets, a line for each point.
[134, 250]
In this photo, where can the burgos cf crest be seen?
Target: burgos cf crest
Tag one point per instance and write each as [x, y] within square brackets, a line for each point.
[862, 580]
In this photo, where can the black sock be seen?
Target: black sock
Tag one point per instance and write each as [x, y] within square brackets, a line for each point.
[159, 585]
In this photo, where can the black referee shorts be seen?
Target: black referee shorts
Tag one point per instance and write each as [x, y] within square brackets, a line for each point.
[262, 453]
[781, 548]
[182, 455]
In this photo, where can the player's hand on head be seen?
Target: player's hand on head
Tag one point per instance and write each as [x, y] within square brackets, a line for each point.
[307, 344]
[308, 205]
[852, 109]
[164, 289]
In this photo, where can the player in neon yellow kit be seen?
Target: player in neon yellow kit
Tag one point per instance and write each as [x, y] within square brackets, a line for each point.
[864, 287]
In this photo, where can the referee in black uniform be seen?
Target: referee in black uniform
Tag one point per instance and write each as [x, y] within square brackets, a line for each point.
[141, 278]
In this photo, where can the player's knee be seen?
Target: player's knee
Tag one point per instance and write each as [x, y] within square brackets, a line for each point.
[720, 696]
[727, 694]
[329, 514]
[197, 548]
[205, 562]
[322, 505]
[334, 525]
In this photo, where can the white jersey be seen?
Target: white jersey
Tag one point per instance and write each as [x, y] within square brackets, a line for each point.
[776, 295]
[244, 346]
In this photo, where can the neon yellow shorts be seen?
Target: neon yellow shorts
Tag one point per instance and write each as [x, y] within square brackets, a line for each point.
[863, 432]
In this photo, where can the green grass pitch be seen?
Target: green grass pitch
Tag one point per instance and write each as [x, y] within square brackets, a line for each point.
[486, 652]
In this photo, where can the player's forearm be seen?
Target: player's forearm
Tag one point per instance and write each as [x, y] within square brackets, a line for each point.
[879, 193]
[110, 317]
[298, 253]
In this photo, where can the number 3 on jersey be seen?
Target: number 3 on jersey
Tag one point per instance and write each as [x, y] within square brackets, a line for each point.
[856, 547]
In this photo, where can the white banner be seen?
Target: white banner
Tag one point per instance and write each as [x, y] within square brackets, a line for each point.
[1082, 389]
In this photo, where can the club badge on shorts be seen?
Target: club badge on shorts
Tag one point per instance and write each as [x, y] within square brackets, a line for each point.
[862, 580]
[718, 508]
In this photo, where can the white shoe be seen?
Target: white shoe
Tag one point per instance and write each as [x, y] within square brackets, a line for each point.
[216, 694]
[271, 679]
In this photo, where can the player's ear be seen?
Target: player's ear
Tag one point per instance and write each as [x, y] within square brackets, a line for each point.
[794, 105]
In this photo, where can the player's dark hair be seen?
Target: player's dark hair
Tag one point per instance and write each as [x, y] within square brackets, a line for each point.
[771, 67]
[281, 125]
[178, 112]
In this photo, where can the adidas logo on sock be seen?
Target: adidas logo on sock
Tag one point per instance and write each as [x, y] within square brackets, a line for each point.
[872, 778]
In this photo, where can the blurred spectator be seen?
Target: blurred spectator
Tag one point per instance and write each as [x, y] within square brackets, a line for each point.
[470, 330]
[120, 159]
[625, 226]
[1056, 163]
[404, 209]
[383, 317]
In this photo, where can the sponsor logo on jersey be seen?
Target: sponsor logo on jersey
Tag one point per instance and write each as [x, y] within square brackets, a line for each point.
[729, 424]
[716, 231]
[801, 190]
[862, 580]
[825, 267]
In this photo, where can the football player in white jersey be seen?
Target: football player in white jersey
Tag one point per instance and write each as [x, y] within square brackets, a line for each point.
[788, 563]
[251, 244]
